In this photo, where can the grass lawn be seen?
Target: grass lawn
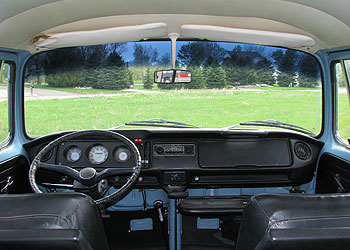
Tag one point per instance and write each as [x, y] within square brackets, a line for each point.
[74, 90]
[204, 108]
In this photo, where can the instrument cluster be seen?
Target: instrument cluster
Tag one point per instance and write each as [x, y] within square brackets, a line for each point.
[80, 153]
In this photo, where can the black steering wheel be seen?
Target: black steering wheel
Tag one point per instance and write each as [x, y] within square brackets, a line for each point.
[88, 176]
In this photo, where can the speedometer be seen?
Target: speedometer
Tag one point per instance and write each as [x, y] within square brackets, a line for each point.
[98, 154]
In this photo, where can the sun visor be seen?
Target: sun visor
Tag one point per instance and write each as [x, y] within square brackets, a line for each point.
[218, 33]
[102, 36]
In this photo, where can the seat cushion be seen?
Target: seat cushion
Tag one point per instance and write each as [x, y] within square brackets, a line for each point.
[295, 221]
[72, 212]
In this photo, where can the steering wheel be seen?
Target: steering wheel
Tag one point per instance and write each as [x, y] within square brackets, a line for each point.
[88, 176]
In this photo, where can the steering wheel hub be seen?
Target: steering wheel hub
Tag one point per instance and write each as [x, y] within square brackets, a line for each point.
[87, 174]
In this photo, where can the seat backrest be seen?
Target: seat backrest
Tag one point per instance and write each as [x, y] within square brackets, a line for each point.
[69, 221]
[295, 221]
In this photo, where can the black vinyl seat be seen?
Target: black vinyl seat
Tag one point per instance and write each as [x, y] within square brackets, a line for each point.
[68, 221]
[296, 221]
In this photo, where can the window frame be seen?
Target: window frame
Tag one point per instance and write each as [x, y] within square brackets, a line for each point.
[340, 140]
[10, 104]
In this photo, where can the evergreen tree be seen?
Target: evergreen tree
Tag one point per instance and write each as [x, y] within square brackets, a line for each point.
[148, 80]
[216, 77]
[113, 78]
[286, 80]
[265, 77]
[130, 77]
[197, 81]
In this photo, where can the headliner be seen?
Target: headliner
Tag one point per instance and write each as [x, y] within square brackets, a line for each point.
[325, 22]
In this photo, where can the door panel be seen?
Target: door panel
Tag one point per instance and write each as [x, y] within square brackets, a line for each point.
[17, 169]
[333, 175]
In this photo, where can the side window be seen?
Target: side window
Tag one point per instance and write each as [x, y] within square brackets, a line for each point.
[342, 71]
[6, 78]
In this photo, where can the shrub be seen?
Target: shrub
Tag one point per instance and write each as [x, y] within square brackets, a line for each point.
[148, 80]
[216, 78]
[112, 78]
[198, 80]
[89, 78]
[64, 79]
[307, 81]
[286, 79]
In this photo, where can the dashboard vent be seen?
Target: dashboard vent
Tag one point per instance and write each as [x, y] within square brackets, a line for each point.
[45, 157]
[302, 151]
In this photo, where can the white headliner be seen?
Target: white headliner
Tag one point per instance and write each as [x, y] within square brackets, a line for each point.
[325, 22]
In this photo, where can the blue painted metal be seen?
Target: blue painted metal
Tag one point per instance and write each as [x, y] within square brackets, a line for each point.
[141, 224]
[134, 200]
[331, 144]
[171, 223]
[236, 191]
[210, 223]
[19, 57]
[178, 230]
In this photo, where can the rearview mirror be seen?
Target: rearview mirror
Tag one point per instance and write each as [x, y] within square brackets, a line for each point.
[172, 76]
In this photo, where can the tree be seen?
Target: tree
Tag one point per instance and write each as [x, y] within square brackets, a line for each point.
[285, 61]
[216, 77]
[113, 78]
[144, 55]
[201, 54]
[35, 67]
[265, 77]
[308, 66]
[198, 79]
[63, 59]
[307, 81]
[308, 72]
[277, 56]
[164, 60]
[114, 59]
[286, 80]
[94, 55]
[148, 80]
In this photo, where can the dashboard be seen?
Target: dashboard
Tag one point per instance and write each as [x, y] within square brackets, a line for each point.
[191, 157]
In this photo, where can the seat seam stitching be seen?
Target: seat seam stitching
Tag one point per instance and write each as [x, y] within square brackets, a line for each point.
[307, 219]
[35, 216]
[76, 208]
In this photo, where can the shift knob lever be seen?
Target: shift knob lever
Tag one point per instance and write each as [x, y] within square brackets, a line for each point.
[158, 204]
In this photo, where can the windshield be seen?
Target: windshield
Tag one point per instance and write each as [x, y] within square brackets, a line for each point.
[103, 86]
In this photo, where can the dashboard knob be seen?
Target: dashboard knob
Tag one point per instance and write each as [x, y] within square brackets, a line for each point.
[160, 150]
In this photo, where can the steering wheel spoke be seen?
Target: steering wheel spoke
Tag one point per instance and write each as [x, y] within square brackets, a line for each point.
[61, 169]
[113, 172]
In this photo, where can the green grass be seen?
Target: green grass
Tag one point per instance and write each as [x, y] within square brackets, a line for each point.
[74, 90]
[344, 116]
[204, 108]
[4, 128]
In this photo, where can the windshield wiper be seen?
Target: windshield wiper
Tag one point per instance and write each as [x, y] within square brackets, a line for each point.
[275, 124]
[157, 122]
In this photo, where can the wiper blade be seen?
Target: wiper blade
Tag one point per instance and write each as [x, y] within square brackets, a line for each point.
[157, 122]
[275, 124]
